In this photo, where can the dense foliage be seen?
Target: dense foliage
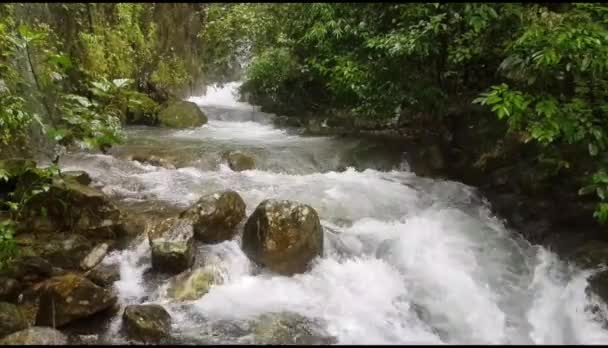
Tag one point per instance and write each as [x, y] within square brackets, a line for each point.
[539, 67]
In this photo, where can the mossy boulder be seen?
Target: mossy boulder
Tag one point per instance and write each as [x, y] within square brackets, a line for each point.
[286, 328]
[68, 205]
[71, 297]
[147, 323]
[35, 336]
[11, 319]
[283, 236]
[192, 285]
[143, 112]
[104, 275]
[181, 114]
[216, 216]
[172, 244]
[239, 161]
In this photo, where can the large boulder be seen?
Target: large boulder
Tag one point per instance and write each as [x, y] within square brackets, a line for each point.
[182, 114]
[172, 244]
[147, 323]
[69, 205]
[216, 216]
[192, 285]
[283, 236]
[239, 161]
[71, 297]
[35, 336]
[286, 328]
[63, 249]
[11, 319]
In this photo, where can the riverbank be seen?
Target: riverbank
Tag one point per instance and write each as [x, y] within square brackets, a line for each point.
[544, 207]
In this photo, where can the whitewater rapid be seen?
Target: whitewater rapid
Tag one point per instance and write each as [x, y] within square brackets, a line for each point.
[407, 259]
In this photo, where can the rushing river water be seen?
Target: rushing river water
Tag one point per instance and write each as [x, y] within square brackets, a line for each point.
[407, 259]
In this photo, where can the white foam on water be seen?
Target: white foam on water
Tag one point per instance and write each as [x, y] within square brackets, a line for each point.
[407, 259]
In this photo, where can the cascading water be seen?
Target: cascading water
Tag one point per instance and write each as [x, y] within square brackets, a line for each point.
[407, 259]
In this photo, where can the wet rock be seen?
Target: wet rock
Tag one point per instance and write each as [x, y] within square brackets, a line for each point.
[172, 244]
[63, 250]
[591, 254]
[283, 236]
[79, 176]
[11, 319]
[9, 289]
[192, 285]
[104, 275]
[182, 114]
[147, 323]
[598, 284]
[289, 328]
[216, 216]
[31, 268]
[239, 161]
[35, 336]
[94, 257]
[71, 297]
[70, 206]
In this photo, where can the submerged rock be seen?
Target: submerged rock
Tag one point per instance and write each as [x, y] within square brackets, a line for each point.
[289, 328]
[11, 319]
[35, 336]
[216, 216]
[182, 114]
[70, 297]
[147, 323]
[283, 236]
[192, 285]
[94, 257]
[172, 244]
[239, 161]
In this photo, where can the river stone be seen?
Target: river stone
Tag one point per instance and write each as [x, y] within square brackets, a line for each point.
[79, 176]
[283, 236]
[147, 323]
[172, 244]
[216, 216]
[104, 275]
[71, 297]
[182, 114]
[239, 161]
[35, 336]
[191, 285]
[70, 206]
[288, 328]
[94, 257]
[11, 319]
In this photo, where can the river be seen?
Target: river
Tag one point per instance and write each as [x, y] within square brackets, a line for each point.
[407, 259]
